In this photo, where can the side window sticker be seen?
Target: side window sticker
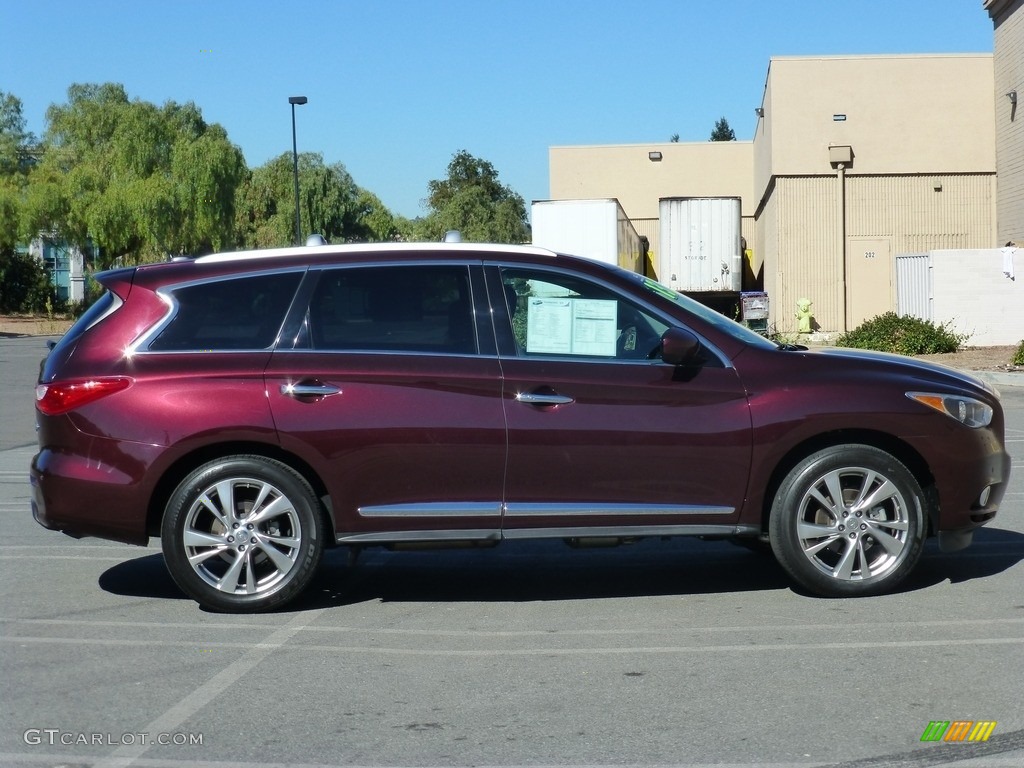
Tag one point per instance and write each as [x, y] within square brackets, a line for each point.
[571, 326]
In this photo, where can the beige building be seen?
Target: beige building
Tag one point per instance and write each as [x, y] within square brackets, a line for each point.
[1008, 22]
[859, 159]
[855, 160]
[640, 174]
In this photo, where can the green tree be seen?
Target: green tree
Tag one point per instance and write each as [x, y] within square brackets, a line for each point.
[24, 282]
[330, 204]
[722, 131]
[140, 181]
[410, 230]
[15, 141]
[377, 223]
[15, 162]
[472, 200]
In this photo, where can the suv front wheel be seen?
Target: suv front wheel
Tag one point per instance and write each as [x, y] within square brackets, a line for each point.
[242, 534]
[848, 521]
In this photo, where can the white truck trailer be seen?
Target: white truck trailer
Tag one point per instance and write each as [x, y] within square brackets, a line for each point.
[594, 229]
[700, 246]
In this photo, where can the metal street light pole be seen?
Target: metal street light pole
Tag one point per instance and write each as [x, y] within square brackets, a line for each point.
[293, 100]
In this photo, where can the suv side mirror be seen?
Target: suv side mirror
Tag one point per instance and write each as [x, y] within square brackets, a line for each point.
[679, 346]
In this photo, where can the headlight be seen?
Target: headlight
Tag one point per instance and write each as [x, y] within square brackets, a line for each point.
[966, 410]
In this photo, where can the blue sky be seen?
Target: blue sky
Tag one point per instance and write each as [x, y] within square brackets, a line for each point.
[396, 87]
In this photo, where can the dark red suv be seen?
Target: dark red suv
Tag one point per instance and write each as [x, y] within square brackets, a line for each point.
[252, 409]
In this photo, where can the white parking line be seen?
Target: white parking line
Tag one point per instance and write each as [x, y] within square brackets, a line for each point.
[202, 695]
[211, 689]
[112, 558]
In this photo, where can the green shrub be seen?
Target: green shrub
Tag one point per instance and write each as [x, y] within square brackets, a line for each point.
[1018, 358]
[24, 284]
[903, 335]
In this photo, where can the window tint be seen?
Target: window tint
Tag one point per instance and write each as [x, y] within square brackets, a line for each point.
[234, 314]
[563, 315]
[104, 305]
[397, 308]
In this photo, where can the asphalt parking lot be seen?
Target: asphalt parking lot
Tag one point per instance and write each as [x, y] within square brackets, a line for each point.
[662, 653]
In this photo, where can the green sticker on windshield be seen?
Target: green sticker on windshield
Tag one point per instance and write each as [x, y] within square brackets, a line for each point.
[656, 287]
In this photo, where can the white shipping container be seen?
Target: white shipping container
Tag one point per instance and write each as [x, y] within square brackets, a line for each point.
[594, 229]
[700, 244]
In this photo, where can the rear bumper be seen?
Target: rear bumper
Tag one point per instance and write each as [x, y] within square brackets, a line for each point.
[81, 496]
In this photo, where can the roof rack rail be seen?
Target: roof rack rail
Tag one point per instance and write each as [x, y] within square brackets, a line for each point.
[328, 251]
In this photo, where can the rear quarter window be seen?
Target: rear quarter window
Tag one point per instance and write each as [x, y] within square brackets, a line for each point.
[237, 313]
[100, 309]
[105, 305]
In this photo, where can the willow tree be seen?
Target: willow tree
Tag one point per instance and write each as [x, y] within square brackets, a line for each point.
[15, 162]
[24, 282]
[139, 181]
[330, 204]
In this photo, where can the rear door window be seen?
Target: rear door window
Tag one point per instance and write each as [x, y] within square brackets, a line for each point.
[402, 308]
[238, 313]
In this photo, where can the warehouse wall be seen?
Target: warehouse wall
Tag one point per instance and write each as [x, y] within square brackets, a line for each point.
[625, 172]
[1008, 21]
[921, 175]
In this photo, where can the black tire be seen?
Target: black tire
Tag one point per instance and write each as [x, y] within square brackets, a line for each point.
[256, 550]
[848, 521]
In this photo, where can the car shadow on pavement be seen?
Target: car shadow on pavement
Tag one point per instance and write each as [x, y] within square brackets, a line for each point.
[549, 570]
[145, 576]
[993, 551]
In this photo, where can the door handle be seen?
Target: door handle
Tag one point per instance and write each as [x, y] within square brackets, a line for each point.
[537, 398]
[309, 389]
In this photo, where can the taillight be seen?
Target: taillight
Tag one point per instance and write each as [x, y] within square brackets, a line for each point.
[63, 396]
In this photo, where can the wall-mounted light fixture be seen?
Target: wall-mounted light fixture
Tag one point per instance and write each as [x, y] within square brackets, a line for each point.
[654, 157]
[1012, 96]
[840, 156]
[839, 118]
[759, 111]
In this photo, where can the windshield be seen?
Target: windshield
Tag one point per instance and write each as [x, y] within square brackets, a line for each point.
[710, 316]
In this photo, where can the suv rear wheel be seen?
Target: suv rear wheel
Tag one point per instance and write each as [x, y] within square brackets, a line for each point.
[242, 533]
[848, 521]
